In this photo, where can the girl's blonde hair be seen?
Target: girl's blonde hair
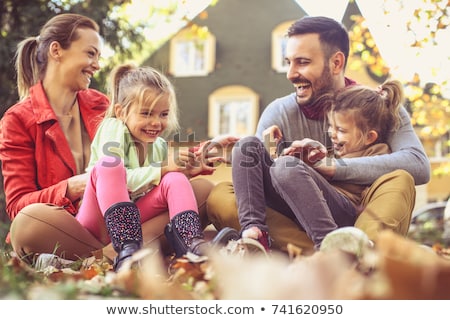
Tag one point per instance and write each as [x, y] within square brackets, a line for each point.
[31, 57]
[371, 109]
[132, 85]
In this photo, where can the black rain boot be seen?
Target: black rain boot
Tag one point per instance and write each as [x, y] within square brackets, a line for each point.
[123, 222]
[184, 233]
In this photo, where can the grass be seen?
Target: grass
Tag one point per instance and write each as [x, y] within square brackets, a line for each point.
[18, 280]
[93, 279]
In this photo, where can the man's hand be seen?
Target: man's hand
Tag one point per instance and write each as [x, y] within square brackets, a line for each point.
[310, 151]
[272, 136]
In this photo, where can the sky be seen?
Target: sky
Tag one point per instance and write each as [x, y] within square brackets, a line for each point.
[186, 8]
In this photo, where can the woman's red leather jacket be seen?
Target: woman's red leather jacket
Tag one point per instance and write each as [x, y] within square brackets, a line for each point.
[35, 155]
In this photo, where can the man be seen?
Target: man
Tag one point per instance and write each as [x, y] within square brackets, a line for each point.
[317, 51]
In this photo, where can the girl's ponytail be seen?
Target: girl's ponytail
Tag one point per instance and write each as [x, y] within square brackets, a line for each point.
[392, 94]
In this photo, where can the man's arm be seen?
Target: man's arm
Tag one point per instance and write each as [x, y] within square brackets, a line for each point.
[407, 153]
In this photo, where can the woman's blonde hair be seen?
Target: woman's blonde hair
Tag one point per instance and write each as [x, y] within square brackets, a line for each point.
[132, 85]
[32, 53]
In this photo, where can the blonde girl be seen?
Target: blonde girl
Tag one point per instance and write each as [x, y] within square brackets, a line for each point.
[133, 176]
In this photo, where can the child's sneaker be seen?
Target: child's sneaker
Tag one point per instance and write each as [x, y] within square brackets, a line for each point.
[254, 234]
[265, 240]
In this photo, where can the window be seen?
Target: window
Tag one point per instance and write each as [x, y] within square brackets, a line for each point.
[233, 110]
[279, 40]
[191, 55]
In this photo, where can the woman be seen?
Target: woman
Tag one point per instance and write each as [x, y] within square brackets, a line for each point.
[45, 141]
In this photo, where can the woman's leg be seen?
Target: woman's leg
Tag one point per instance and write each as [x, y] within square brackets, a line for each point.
[46, 228]
[202, 188]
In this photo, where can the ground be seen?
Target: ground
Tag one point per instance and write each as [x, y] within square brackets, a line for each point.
[397, 268]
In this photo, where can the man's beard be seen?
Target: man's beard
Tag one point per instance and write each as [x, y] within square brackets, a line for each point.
[323, 85]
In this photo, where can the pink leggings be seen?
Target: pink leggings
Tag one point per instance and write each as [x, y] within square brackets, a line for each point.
[108, 185]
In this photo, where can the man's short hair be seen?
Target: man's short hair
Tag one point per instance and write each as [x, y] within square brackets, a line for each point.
[333, 35]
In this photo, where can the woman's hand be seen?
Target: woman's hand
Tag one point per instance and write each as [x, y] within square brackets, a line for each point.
[76, 186]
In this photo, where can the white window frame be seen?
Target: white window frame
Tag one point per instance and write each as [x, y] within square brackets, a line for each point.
[199, 58]
[278, 46]
[233, 110]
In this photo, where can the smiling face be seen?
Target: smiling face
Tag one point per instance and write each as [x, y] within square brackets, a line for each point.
[79, 62]
[309, 70]
[146, 122]
[345, 134]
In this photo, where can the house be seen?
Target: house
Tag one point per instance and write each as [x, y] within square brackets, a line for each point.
[226, 79]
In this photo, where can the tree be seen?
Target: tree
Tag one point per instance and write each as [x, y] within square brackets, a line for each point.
[429, 108]
[23, 18]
